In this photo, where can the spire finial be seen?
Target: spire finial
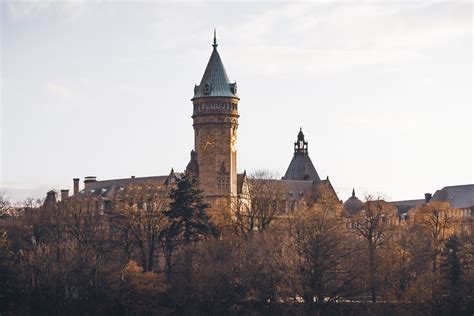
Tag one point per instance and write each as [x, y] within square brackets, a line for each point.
[215, 40]
[353, 192]
[301, 129]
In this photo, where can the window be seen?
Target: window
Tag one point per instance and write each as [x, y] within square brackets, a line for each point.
[222, 183]
[233, 88]
[223, 178]
[207, 88]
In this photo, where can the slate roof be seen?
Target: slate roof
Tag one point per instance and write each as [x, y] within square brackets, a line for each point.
[108, 188]
[353, 204]
[301, 167]
[458, 196]
[302, 189]
[216, 78]
[406, 205]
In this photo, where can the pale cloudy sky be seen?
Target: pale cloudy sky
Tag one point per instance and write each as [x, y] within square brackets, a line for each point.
[383, 90]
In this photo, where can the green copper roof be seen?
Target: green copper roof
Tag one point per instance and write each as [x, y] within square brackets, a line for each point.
[214, 82]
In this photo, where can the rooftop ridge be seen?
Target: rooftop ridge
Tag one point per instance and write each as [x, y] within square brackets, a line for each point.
[457, 186]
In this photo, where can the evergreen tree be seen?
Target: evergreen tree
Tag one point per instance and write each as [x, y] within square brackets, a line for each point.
[187, 213]
[453, 301]
[451, 266]
[189, 222]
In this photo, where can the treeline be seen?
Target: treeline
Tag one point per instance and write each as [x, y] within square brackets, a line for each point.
[160, 253]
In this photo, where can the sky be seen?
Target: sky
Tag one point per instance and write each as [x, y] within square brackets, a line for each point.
[382, 90]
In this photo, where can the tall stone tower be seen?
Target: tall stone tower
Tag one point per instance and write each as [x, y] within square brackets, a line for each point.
[215, 122]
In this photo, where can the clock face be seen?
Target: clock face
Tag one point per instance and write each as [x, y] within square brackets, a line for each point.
[233, 143]
[208, 143]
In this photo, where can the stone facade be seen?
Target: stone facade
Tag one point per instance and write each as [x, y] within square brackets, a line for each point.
[215, 122]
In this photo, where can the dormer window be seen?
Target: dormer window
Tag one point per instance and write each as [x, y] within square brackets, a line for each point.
[233, 88]
[207, 88]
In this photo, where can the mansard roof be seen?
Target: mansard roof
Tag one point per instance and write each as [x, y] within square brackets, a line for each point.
[108, 188]
[404, 206]
[458, 196]
[301, 167]
[215, 82]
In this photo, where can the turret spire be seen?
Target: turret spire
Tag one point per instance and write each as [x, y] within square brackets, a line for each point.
[214, 82]
[215, 40]
[353, 192]
[301, 146]
[301, 167]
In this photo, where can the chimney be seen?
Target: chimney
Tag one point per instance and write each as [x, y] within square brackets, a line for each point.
[427, 197]
[75, 182]
[64, 194]
[88, 180]
[50, 199]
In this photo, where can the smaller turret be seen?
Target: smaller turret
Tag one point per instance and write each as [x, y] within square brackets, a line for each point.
[301, 146]
[301, 167]
[192, 166]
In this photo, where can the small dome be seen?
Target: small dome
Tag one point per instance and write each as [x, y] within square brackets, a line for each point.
[353, 204]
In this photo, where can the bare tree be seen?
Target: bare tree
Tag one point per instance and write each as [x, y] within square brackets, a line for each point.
[5, 206]
[140, 209]
[372, 225]
[435, 223]
[322, 263]
[139, 292]
[262, 201]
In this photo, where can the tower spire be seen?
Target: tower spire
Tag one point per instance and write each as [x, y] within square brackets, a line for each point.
[215, 40]
[301, 145]
[353, 192]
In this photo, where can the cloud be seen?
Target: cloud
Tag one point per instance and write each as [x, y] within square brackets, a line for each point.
[20, 9]
[308, 37]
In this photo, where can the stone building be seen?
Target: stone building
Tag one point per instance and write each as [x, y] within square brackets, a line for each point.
[458, 200]
[214, 157]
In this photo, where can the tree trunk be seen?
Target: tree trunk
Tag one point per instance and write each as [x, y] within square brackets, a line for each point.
[372, 274]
